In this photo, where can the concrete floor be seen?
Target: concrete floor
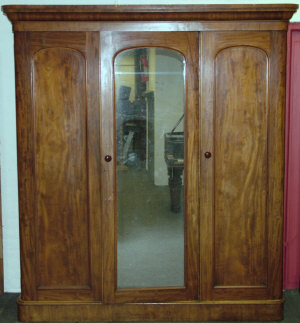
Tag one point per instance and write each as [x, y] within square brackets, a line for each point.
[8, 307]
[150, 235]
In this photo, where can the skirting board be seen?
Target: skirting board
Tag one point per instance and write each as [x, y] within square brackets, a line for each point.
[181, 311]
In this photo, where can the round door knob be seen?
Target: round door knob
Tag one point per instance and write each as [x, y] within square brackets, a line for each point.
[107, 158]
[207, 154]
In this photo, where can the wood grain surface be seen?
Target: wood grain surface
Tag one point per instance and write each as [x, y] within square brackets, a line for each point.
[151, 13]
[64, 181]
[59, 101]
[163, 312]
[148, 25]
[187, 44]
[240, 166]
[235, 94]
[26, 184]
[241, 123]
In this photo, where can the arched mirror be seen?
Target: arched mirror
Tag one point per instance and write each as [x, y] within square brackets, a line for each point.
[150, 105]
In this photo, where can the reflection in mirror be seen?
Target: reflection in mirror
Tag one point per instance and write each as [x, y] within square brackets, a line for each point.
[150, 102]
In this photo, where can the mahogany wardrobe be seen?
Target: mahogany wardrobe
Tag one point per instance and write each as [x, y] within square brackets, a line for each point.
[150, 161]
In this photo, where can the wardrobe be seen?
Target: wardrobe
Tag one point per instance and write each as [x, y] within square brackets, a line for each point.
[150, 161]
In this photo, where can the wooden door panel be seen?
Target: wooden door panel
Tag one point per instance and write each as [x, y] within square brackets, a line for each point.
[62, 166]
[187, 44]
[240, 185]
[240, 166]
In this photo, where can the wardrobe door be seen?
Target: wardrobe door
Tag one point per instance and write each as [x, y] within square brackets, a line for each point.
[58, 161]
[149, 156]
[242, 122]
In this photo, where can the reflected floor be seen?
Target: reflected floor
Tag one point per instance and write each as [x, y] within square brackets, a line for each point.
[150, 236]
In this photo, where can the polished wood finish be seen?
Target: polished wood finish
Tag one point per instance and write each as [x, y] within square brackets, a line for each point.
[187, 44]
[58, 134]
[240, 162]
[235, 93]
[151, 13]
[144, 312]
[60, 122]
[238, 137]
[146, 26]
[242, 199]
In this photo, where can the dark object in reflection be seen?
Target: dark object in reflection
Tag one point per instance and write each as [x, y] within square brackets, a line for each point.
[131, 129]
[124, 106]
[174, 157]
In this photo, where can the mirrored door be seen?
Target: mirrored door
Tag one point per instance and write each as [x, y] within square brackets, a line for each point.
[150, 103]
[154, 211]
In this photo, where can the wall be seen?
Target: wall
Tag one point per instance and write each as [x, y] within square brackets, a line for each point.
[168, 105]
[8, 127]
[125, 70]
[292, 181]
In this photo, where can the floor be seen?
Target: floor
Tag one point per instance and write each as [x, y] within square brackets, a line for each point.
[150, 235]
[8, 307]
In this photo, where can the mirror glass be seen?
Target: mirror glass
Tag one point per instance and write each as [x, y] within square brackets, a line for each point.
[150, 104]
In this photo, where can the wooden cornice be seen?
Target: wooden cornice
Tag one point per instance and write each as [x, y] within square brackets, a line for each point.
[150, 12]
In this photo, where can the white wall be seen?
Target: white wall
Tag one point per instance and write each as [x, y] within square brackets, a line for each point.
[168, 105]
[8, 127]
